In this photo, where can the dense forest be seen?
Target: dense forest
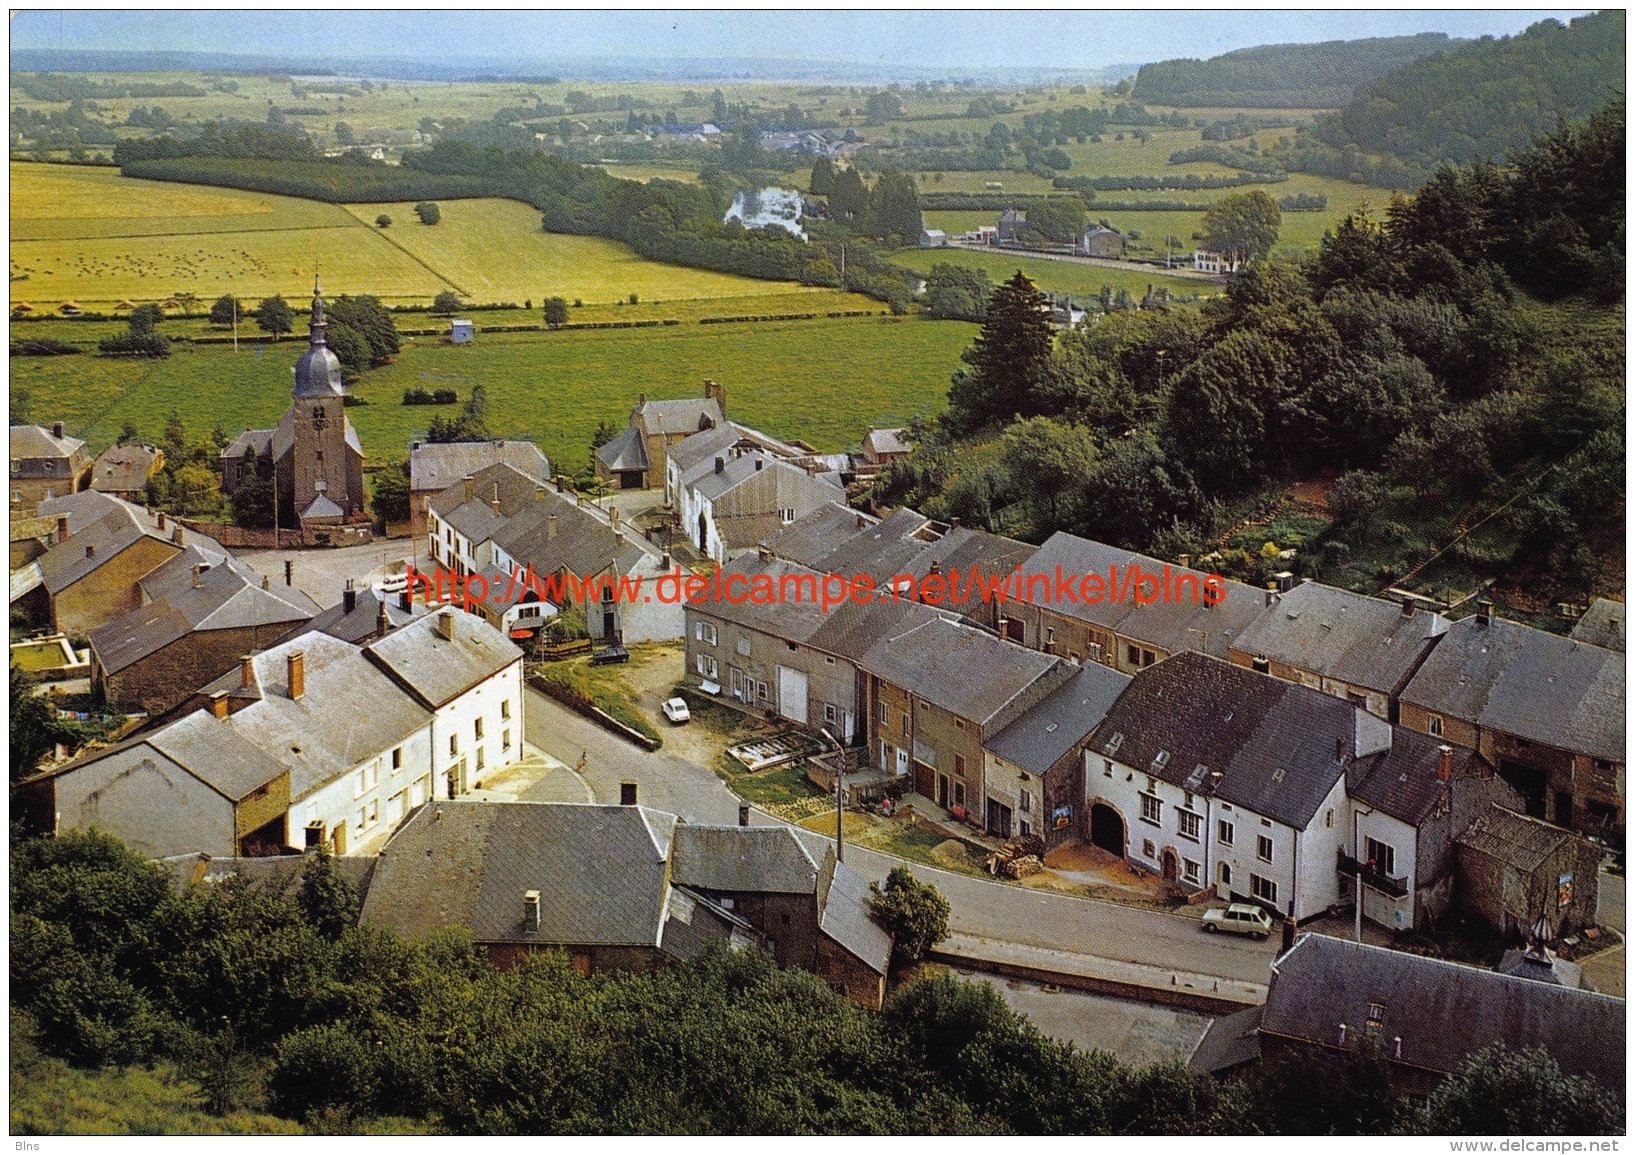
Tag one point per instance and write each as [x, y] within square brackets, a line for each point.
[270, 998]
[1418, 356]
[1479, 100]
[1321, 75]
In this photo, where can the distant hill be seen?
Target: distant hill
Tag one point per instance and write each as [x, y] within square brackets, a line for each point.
[1485, 97]
[1324, 75]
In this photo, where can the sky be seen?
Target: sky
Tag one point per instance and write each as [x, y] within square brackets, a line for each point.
[974, 38]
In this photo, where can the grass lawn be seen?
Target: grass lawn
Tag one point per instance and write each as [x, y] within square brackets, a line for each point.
[1055, 276]
[778, 789]
[826, 381]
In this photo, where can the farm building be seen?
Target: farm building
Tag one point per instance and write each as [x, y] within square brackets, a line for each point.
[1011, 224]
[45, 463]
[463, 332]
[637, 457]
[933, 239]
[1101, 241]
[433, 467]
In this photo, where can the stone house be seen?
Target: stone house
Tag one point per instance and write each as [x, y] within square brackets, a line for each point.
[637, 457]
[745, 498]
[1101, 241]
[1358, 648]
[1011, 224]
[1603, 624]
[435, 467]
[91, 573]
[1515, 872]
[883, 446]
[1546, 710]
[125, 470]
[45, 463]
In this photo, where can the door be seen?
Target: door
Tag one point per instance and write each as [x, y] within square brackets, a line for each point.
[999, 819]
[1107, 828]
[1172, 868]
[942, 791]
[792, 694]
[340, 838]
[902, 762]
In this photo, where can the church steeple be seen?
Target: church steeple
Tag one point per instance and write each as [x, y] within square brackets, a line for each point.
[318, 372]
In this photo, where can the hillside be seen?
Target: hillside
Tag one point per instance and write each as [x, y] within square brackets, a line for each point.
[1283, 75]
[1485, 98]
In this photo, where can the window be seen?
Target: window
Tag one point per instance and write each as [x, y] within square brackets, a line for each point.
[1106, 768]
[1381, 856]
[791, 647]
[397, 759]
[1151, 809]
[885, 715]
[959, 765]
[828, 712]
[905, 724]
[505, 710]
[1134, 655]
[959, 723]
[1328, 820]
[959, 794]
[1146, 848]
[1187, 824]
[1223, 832]
[1355, 698]
[480, 759]
[1226, 874]
[478, 727]
[1050, 636]
[786, 516]
[453, 744]
[705, 665]
[1263, 848]
[743, 645]
[1376, 1015]
[505, 738]
[1263, 888]
[762, 692]
[1025, 805]
[1190, 870]
[1433, 725]
[419, 789]
[828, 661]
[705, 633]
[1027, 829]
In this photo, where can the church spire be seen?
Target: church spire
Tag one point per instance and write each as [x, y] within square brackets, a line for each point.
[318, 372]
[318, 324]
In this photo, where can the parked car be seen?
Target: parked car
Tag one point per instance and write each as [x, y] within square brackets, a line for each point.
[676, 710]
[1239, 918]
[609, 655]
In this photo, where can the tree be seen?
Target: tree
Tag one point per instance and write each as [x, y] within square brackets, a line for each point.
[349, 347]
[914, 912]
[894, 207]
[129, 434]
[556, 311]
[35, 727]
[273, 315]
[1060, 220]
[958, 292]
[343, 133]
[253, 501]
[1054, 457]
[195, 488]
[367, 317]
[144, 318]
[447, 302]
[390, 499]
[1243, 226]
[383, 221]
[823, 177]
[850, 198]
[428, 213]
[1008, 367]
[1503, 1092]
[225, 310]
[327, 898]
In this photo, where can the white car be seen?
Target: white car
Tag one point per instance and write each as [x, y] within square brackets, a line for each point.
[1239, 918]
[676, 710]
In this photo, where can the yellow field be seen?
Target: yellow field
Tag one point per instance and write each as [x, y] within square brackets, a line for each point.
[96, 238]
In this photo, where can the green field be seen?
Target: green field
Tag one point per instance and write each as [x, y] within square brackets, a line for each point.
[1056, 276]
[825, 381]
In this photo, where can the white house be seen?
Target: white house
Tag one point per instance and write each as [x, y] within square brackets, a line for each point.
[1215, 776]
[1219, 264]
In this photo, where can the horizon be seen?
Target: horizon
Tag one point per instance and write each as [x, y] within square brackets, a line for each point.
[921, 39]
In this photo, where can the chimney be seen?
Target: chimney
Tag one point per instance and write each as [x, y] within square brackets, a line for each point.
[1444, 763]
[405, 600]
[1339, 749]
[62, 529]
[862, 522]
[550, 526]
[90, 551]
[57, 430]
[1342, 1034]
[641, 399]
[1262, 665]
[1185, 560]
[246, 672]
[161, 521]
[627, 794]
[530, 912]
[218, 704]
[764, 552]
[414, 446]
[743, 814]
[196, 582]
[613, 514]
[471, 486]
[298, 675]
[1285, 582]
[559, 483]
[494, 504]
[1271, 598]
[720, 464]
[445, 625]
[383, 621]
[1484, 612]
[1409, 605]
[266, 581]
[1003, 623]
[936, 567]
[539, 493]
[289, 571]
[176, 536]
[349, 596]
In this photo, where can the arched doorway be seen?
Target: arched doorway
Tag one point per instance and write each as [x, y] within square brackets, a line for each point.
[1107, 828]
[1172, 866]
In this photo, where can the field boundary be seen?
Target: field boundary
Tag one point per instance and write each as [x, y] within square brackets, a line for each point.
[381, 233]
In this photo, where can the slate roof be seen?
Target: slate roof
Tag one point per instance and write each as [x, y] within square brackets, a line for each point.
[1403, 781]
[38, 454]
[882, 550]
[359, 625]
[626, 450]
[882, 441]
[259, 440]
[1355, 639]
[437, 669]
[1514, 839]
[475, 518]
[1527, 683]
[274, 872]
[434, 467]
[83, 508]
[1442, 1011]
[600, 872]
[695, 455]
[687, 415]
[808, 540]
[1605, 623]
[1272, 741]
[584, 544]
[742, 859]
[228, 596]
[351, 711]
[1229, 1042]
[123, 468]
[786, 618]
[1045, 734]
[960, 551]
[321, 506]
[65, 563]
[843, 915]
[1171, 626]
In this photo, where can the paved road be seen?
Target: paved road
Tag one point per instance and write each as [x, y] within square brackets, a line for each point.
[986, 909]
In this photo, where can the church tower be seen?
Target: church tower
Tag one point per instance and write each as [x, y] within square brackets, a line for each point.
[327, 457]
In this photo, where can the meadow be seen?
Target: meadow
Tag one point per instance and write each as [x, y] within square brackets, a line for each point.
[827, 382]
[1056, 276]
